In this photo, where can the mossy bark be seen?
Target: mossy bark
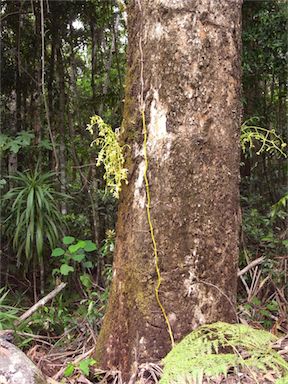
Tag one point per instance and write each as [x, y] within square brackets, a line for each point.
[191, 88]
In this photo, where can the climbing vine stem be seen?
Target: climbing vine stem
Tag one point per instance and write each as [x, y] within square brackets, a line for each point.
[148, 196]
[155, 249]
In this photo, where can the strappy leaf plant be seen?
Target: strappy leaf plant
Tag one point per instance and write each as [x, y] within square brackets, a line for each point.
[8, 314]
[32, 217]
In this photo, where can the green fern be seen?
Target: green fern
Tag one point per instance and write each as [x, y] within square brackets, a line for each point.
[270, 141]
[211, 350]
[282, 380]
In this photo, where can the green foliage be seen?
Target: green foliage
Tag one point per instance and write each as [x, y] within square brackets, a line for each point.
[108, 245]
[279, 209]
[282, 380]
[264, 92]
[110, 155]
[75, 252]
[84, 366]
[264, 43]
[264, 228]
[52, 319]
[32, 214]
[257, 227]
[268, 140]
[22, 140]
[3, 182]
[78, 223]
[69, 370]
[8, 314]
[211, 350]
[263, 313]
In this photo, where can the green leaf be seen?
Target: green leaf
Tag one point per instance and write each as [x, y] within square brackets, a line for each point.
[86, 280]
[65, 269]
[272, 306]
[46, 144]
[57, 252]
[85, 364]
[14, 147]
[4, 139]
[264, 312]
[69, 370]
[78, 257]
[267, 238]
[68, 240]
[90, 307]
[256, 301]
[90, 246]
[285, 243]
[88, 264]
[24, 138]
[74, 248]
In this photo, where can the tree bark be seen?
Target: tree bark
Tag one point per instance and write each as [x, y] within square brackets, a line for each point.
[61, 124]
[37, 126]
[15, 103]
[108, 64]
[190, 81]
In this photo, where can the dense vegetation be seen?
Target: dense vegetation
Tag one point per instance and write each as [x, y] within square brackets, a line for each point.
[64, 62]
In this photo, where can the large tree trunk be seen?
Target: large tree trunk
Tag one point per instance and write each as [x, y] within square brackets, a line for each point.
[191, 87]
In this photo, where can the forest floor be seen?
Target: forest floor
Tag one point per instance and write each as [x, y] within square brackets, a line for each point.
[69, 361]
[262, 304]
[54, 362]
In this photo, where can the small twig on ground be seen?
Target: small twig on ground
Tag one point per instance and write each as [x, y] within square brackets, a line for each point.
[39, 337]
[52, 381]
[92, 333]
[74, 362]
[250, 265]
[40, 303]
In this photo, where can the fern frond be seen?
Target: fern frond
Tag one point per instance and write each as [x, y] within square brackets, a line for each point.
[212, 350]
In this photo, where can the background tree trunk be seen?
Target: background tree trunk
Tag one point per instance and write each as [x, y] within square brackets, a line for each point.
[61, 125]
[191, 88]
[13, 157]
